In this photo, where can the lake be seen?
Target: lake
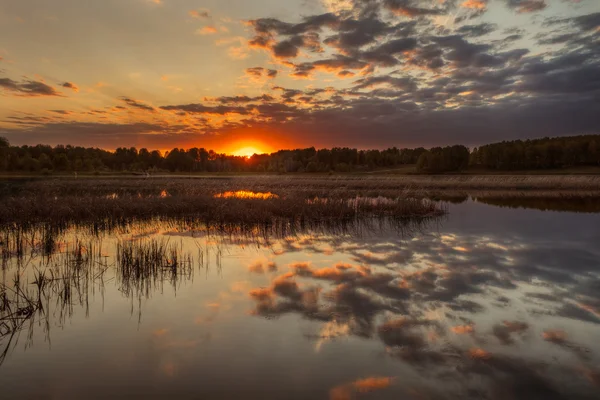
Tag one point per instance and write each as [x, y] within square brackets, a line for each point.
[487, 302]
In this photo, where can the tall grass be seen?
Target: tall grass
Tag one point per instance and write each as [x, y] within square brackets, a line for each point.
[209, 200]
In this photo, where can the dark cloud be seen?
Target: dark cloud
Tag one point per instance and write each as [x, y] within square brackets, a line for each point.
[477, 30]
[259, 72]
[407, 84]
[204, 109]
[70, 85]
[99, 134]
[410, 8]
[242, 99]
[137, 104]
[200, 14]
[401, 333]
[505, 331]
[527, 6]
[588, 22]
[352, 34]
[297, 36]
[27, 88]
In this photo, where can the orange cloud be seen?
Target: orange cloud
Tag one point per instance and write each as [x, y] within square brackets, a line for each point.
[207, 30]
[555, 336]
[463, 329]
[478, 353]
[475, 4]
[346, 391]
[372, 383]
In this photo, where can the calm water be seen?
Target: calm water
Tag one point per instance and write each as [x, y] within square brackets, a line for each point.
[490, 302]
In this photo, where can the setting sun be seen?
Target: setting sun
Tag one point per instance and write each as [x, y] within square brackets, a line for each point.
[247, 152]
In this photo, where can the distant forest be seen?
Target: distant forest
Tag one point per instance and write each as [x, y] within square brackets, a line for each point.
[546, 153]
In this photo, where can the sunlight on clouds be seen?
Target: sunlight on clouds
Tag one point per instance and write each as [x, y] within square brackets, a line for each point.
[476, 4]
[207, 30]
[457, 56]
[331, 330]
[239, 52]
[337, 6]
[348, 391]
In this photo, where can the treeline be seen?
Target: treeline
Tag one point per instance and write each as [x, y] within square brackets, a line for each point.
[546, 153]
[512, 155]
[47, 159]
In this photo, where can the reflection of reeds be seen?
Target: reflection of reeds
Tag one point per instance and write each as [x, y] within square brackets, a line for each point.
[63, 281]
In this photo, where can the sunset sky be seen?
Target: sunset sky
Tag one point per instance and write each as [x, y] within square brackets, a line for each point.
[270, 74]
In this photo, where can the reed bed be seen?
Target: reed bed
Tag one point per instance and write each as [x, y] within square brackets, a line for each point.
[208, 200]
[306, 184]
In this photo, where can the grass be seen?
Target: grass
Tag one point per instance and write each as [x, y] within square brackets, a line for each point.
[211, 201]
[405, 169]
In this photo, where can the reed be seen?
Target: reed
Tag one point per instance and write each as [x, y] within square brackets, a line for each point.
[208, 200]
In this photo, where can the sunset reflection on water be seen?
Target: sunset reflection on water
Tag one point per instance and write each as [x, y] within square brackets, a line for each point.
[245, 194]
[457, 309]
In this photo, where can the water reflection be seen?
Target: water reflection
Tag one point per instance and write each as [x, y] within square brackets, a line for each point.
[490, 303]
[245, 194]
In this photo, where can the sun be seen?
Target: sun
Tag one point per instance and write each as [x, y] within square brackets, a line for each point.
[247, 152]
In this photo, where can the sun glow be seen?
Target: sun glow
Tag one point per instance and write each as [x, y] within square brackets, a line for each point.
[247, 152]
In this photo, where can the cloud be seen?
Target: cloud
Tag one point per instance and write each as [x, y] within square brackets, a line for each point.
[204, 109]
[27, 88]
[588, 22]
[409, 8]
[474, 4]
[202, 13]
[503, 332]
[347, 391]
[61, 112]
[137, 104]
[418, 70]
[477, 30]
[527, 6]
[70, 85]
[207, 30]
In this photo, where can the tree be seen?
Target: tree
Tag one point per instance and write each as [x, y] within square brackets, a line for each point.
[45, 162]
[61, 162]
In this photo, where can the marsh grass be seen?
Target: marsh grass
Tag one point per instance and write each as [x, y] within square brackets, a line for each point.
[210, 201]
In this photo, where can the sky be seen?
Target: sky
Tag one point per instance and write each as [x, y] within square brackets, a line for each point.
[272, 74]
